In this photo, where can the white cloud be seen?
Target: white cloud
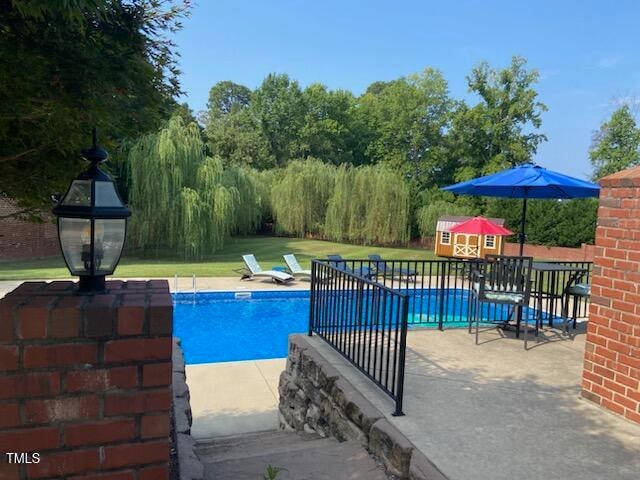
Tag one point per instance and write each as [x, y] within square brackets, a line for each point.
[610, 61]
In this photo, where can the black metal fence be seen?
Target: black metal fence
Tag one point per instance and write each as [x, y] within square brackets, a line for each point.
[438, 290]
[363, 320]
[363, 308]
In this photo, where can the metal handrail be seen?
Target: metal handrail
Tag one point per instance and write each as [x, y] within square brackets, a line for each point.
[362, 319]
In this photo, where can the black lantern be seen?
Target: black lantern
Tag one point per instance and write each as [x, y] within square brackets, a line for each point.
[92, 223]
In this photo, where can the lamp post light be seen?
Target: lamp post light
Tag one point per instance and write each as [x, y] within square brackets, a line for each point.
[92, 222]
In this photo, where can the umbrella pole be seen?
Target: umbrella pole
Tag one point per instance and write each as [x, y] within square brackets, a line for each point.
[523, 221]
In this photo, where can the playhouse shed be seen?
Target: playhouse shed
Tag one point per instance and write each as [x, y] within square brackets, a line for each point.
[469, 237]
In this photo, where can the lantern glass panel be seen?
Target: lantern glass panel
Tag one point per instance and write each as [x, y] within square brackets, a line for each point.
[109, 240]
[75, 240]
[79, 194]
[106, 195]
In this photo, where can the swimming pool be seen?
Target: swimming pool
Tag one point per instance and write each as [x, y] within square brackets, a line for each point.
[225, 326]
[231, 326]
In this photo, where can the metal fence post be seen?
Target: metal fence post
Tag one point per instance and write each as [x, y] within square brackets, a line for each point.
[402, 357]
[312, 296]
[442, 299]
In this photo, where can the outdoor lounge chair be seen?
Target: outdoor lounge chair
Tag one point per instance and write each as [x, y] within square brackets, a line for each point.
[340, 263]
[254, 270]
[294, 267]
[384, 269]
[503, 280]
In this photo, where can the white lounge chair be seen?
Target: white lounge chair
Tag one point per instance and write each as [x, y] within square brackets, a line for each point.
[294, 267]
[254, 270]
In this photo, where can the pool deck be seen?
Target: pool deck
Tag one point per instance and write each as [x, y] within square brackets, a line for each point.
[495, 411]
[232, 398]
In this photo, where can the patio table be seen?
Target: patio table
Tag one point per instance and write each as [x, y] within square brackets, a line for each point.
[551, 282]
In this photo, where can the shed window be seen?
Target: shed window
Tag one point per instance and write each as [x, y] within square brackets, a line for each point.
[490, 241]
[445, 238]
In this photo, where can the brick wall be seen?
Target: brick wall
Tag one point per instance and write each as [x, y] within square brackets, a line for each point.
[85, 381]
[22, 239]
[611, 373]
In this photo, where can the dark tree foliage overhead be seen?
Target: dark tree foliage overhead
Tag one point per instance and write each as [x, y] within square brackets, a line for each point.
[67, 66]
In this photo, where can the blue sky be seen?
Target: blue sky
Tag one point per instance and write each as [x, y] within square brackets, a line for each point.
[587, 52]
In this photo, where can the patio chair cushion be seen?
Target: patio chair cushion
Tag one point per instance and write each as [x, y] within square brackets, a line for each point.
[500, 295]
[580, 290]
[504, 296]
[476, 287]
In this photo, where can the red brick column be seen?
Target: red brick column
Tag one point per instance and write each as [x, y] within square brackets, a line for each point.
[85, 381]
[611, 373]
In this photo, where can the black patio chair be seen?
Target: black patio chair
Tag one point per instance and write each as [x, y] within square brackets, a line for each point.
[386, 270]
[340, 263]
[576, 292]
[503, 280]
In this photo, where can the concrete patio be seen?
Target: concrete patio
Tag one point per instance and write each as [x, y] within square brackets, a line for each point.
[495, 411]
[233, 398]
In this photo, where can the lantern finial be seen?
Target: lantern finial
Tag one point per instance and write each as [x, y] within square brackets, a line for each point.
[95, 154]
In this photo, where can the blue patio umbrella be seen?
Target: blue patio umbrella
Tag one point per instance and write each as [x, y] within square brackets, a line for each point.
[526, 181]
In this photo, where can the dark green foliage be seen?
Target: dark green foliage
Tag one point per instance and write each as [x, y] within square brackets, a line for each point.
[69, 66]
[226, 97]
[238, 139]
[278, 107]
[565, 223]
[406, 121]
[410, 124]
[500, 131]
[616, 146]
[328, 127]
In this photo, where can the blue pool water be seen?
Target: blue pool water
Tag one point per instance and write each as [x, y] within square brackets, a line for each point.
[220, 327]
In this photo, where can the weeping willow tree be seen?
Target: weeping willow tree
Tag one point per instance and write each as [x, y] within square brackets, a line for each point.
[218, 204]
[263, 181]
[427, 216]
[338, 217]
[247, 216]
[161, 165]
[183, 200]
[387, 217]
[369, 204]
[299, 199]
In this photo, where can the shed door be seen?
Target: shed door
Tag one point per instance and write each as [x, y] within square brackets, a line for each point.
[466, 246]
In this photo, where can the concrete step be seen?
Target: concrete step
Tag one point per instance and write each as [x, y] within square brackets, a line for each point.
[298, 456]
[252, 444]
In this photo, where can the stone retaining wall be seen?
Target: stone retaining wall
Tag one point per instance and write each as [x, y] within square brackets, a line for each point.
[189, 466]
[315, 397]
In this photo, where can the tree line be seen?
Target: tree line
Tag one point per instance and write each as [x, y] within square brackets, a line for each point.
[69, 66]
[411, 124]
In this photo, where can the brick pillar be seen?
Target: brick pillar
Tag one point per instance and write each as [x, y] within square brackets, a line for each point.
[611, 373]
[85, 381]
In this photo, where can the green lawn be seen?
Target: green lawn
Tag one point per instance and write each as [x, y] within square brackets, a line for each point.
[268, 251]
